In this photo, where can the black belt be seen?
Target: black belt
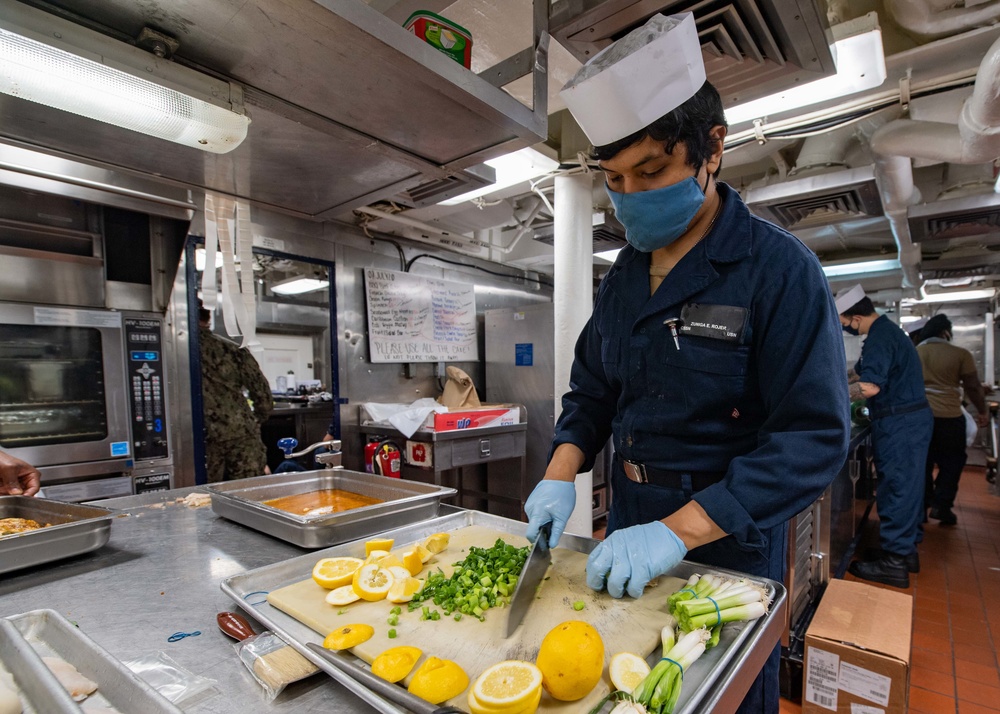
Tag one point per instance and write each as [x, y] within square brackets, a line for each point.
[900, 409]
[640, 473]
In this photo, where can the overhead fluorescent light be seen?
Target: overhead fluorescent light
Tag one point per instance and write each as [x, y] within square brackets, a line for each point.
[957, 296]
[59, 64]
[297, 286]
[512, 169]
[609, 255]
[860, 61]
[861, 267]
[907, 319]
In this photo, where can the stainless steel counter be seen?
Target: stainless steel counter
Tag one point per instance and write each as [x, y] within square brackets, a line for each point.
[160, 574]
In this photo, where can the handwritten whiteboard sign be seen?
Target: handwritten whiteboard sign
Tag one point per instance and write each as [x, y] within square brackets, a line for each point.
[418, 319]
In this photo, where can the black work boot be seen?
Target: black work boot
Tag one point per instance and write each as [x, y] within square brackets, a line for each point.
[945, 515]
[912, 560]
[888, 570]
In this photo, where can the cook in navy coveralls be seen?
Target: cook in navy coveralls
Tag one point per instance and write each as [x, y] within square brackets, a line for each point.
[714, 359]
[890, 376]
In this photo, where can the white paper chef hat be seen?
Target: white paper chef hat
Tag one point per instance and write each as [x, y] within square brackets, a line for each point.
[632, 83]
[848, 298]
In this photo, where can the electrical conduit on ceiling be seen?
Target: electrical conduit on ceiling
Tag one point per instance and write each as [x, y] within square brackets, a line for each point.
[975, 139]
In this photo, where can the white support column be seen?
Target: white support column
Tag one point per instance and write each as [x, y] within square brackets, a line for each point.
[573, 298]
[989, 354]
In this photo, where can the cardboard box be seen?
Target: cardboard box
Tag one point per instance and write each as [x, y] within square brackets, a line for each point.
[857, 652]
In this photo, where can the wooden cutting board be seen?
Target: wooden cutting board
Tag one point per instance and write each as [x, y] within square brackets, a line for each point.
[624, 624]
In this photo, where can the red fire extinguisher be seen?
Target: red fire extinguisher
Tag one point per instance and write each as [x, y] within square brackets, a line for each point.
[383, 457]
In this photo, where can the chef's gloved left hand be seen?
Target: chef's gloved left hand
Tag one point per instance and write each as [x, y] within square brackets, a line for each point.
[632, 557]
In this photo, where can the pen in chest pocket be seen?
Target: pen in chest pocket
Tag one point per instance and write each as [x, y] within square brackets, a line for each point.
[672, 323]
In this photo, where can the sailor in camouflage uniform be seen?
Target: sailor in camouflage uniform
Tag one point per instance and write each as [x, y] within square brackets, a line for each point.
[233, 446]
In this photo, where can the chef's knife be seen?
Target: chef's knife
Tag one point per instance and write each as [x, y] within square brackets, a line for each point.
[393, 692]
[532, 573]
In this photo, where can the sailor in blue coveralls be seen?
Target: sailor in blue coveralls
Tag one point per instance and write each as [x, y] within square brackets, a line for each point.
[714, 359]
[890, 377]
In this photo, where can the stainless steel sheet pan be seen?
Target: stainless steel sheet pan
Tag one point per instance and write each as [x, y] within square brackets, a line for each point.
[404, 502]
[74, 529]
[27, 637]
[716, 685]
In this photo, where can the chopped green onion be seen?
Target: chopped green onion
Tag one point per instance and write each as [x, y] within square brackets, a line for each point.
[392, 634]
[579, 605]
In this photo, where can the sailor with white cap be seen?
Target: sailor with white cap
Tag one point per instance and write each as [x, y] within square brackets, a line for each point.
[890, 377]
[713, 354]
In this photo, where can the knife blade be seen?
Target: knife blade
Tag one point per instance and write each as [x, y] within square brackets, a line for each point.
[532, 573]
[393, 692]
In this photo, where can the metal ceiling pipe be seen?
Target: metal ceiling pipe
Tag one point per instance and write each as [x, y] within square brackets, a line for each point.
[523, 227]
[823, 152]
[938, 18]
[974, 140]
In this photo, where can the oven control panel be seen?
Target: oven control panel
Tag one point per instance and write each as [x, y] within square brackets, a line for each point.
[144, 357]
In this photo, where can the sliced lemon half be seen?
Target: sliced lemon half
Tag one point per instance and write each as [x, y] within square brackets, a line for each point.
[372, 582]
[509, 685]
[627, 670]
[348, 636]
[395, 663]
[331, 573]
[344, 595]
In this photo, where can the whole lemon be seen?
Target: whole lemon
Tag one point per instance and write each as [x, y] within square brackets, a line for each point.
[571, 659]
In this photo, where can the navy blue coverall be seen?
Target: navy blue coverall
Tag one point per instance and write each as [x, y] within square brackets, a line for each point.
[758, 411]
[902, 424]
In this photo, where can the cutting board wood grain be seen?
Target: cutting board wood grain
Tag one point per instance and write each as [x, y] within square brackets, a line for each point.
[624, 624]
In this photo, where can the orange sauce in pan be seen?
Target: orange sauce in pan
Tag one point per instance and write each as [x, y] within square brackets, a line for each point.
[319, 503]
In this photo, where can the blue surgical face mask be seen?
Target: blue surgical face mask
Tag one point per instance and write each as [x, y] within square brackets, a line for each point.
[655, 219]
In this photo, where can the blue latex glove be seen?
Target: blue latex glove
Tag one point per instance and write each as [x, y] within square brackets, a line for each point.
[632, 557]
[550, 501]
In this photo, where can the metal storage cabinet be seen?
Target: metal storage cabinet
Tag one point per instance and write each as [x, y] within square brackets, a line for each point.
[820, 546]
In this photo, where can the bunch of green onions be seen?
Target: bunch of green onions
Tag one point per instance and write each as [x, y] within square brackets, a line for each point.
[698, 612]
[659, 691]
[712, 601]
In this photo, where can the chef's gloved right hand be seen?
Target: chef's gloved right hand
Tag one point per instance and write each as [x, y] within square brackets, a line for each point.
[632, 557]
[550, 501]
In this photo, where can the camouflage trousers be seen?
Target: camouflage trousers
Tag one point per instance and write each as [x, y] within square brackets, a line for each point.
[234, 459]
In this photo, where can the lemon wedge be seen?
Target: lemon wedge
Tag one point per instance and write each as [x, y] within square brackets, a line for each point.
[437, 542]
[379, 544]
[404, 590]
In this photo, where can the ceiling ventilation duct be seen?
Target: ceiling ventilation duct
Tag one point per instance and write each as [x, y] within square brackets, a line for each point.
[966, 217]
[752, 48]
[608, 234]
[818, 200]
[434, 191]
